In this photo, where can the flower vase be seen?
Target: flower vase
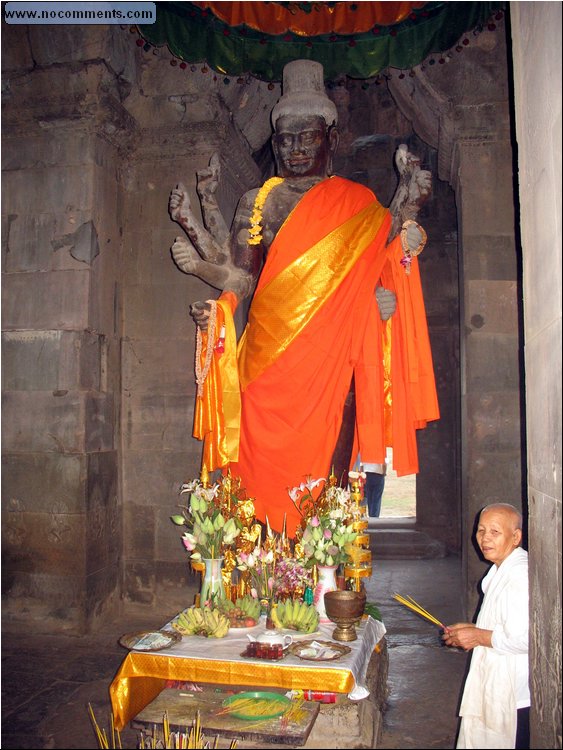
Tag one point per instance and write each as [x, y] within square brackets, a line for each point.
[212, 585]
[326, 582]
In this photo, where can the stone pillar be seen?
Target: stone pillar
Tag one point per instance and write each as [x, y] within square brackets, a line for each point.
[462, 109]
[536, 35]
[491, 459]
[63, 125]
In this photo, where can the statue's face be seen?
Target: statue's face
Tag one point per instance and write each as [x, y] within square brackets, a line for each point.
[303, 146]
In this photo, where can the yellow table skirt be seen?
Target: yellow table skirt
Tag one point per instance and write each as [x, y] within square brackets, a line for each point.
[143, 675]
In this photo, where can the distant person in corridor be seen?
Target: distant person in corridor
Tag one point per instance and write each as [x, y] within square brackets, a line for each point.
[496, 698]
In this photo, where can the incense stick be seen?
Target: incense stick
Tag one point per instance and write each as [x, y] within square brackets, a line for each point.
[418, 609]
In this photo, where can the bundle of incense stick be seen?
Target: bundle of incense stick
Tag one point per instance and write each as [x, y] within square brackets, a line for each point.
[191, 738]
[411, 604]
[103, 740]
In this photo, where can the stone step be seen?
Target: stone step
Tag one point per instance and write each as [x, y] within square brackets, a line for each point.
[396, 540]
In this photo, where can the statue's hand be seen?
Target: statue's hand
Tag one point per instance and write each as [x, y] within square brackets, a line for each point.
[200, 314]
[185, 255]
[414, 237]
[208, 178]
[179, 204]
[420, 186]
[386, 301]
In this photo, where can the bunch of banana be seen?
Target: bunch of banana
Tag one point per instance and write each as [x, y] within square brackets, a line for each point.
[294, 614]
[202, 621]
[243, 613]
[249, 605]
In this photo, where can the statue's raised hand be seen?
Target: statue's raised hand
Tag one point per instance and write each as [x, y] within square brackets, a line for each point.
[179, 204]
[414, 188]
[208, 178]
[417, 181]
[185, 255]
[207, 183]
[420, 189]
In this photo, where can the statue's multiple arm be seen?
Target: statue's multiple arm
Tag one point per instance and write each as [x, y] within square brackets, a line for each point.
[227, 262]
[202, 254]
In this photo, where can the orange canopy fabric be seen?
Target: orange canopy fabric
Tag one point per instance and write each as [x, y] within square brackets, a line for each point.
[323, 18]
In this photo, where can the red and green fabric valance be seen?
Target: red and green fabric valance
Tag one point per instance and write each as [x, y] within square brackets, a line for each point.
[355, 39]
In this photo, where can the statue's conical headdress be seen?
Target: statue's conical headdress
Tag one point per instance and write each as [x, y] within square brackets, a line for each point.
[304, 93]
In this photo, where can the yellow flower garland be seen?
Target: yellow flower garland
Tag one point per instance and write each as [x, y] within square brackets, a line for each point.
[255, 230]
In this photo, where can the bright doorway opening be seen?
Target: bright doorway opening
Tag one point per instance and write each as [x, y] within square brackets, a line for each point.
[399, 493]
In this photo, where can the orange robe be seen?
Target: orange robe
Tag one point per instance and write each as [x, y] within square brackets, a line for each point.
[292, 401]
[313, 324]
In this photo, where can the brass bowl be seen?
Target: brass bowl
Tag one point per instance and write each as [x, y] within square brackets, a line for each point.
[345, 608]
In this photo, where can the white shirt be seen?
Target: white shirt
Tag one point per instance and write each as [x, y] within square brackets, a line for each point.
[497, 682]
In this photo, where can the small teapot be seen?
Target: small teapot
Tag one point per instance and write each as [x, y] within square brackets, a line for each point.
[271, 638]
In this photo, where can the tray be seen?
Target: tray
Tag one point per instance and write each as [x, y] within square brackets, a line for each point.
[150, 640]
[301, 650]
[280, 703]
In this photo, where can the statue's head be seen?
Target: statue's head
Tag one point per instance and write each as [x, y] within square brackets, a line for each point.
[304, 119]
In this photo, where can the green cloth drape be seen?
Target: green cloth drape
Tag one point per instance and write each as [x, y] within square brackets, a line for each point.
[197, 36]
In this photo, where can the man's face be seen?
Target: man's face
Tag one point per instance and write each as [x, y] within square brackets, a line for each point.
[302, 146]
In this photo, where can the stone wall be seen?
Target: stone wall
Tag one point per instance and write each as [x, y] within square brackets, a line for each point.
[182, 121]
[462, 109]
[63, 131]
[536, 35]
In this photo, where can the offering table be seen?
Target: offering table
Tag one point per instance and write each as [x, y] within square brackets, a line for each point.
[143, 675]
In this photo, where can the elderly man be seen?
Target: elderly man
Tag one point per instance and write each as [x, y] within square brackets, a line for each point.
[310, 249]
[496, 696]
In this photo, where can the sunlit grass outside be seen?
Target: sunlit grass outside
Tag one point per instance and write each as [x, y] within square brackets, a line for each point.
[399, 494]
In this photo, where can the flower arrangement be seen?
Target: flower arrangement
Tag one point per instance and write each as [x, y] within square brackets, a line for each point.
[260, 564]
[291, 579]
[327, 522]
[211, 522]
[326, 538]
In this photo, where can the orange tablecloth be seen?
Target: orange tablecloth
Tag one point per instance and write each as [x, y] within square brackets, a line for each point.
[143, 675]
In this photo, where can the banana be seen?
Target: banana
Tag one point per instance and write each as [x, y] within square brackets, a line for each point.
[304, 617]
[274, 615]
[280, 613]
[219, 624]
[222, 628]
[184, 623]
[288, 614]
[304, 613]
[301, 615]
[312, 622]
[249, 606]
[209, 619]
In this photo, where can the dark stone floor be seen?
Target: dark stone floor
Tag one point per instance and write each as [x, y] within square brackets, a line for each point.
[48, 681]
